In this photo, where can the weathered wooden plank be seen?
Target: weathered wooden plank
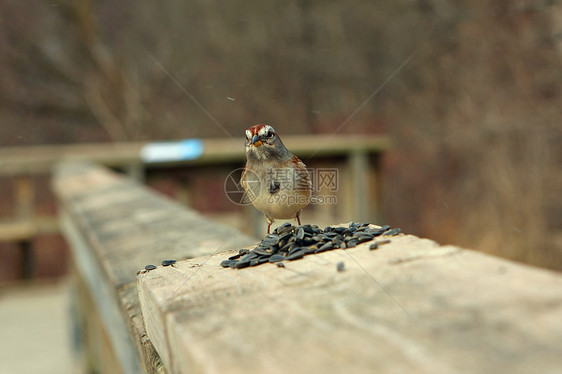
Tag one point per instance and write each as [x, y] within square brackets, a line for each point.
[128, 224]
[25, 230]
[103, 294]
[410, 306]
[115, 227]
[24, 196]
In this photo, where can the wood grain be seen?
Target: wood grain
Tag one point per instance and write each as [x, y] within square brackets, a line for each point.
[115, 227]
[410, 306]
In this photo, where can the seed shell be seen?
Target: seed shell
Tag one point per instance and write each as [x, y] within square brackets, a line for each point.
[242, 264]
[392, 232]
[326, 247]
[296, 255]
[277, 258]
[288, 242]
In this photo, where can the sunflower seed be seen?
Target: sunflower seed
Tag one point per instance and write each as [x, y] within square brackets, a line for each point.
[292, 243]
[347, 232]
[392, 232]
[249, 256]
[310, 250]
[171, 262]
[374, 232]
[280, 265]
[286, 247]
[285, 237]
[296, 255]
[270, 241]
[308, 229]
[242, 264]
[340, 266]
[286, 229]
[308, 240]
[282, 227]
[263, 251]
[150, 267]
[326, 247]
[277, 258]
[296, 249]
[340, 230]
[364, 238]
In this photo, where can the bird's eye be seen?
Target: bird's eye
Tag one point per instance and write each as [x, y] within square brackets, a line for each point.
[269, 134]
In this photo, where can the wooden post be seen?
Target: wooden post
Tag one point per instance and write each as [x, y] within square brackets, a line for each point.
[26, 249]
[375, 189]
[360, 190]
[135, 171]
[24, 200]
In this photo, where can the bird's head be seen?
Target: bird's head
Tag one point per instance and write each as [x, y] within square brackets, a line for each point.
[263, 143]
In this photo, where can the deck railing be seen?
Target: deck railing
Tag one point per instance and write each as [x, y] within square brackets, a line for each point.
[356, 156]
[409, 306]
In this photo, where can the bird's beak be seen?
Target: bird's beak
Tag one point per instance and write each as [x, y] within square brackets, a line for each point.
[256, 141]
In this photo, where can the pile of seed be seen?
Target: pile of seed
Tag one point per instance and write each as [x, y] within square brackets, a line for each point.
[288, 242]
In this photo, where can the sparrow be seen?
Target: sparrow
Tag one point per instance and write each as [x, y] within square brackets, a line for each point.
[276, 182]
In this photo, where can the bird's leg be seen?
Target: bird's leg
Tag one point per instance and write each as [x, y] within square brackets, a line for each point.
[299, 218]
[269, 222]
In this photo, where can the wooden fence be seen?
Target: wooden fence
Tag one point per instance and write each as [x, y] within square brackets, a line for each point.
[356, 156]
[409, 306]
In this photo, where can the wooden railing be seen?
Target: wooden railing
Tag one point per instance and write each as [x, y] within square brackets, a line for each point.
[115, 227]
[409, 306]
[356, 156]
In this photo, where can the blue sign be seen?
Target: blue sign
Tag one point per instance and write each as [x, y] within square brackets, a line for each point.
[188, 149]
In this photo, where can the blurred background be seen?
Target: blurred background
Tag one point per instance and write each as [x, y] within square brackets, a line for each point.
[470, 92]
